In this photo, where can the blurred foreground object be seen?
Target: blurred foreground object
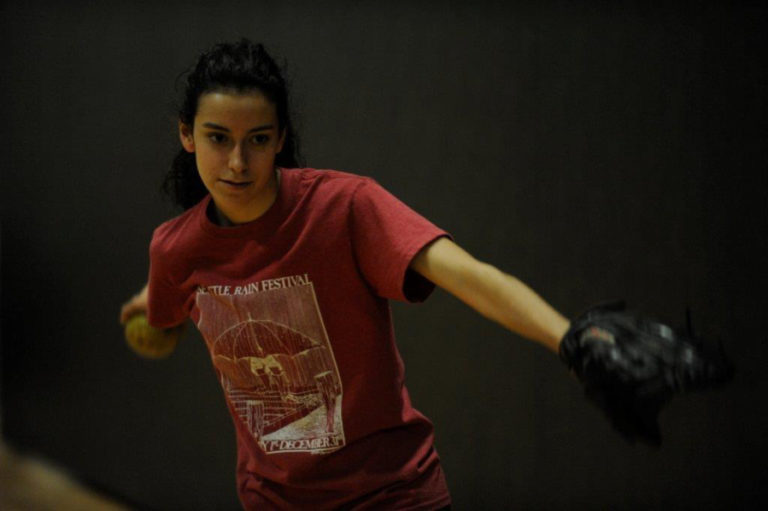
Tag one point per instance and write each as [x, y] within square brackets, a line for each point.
[31, 484]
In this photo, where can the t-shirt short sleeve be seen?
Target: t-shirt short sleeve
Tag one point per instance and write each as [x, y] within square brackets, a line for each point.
[386, 235]
[165, 301]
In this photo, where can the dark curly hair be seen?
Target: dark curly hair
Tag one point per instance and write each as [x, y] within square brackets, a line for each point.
[241, 66]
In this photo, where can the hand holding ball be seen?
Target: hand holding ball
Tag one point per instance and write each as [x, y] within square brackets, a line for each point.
[148, 341]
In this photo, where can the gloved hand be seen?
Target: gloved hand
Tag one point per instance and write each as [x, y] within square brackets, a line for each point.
[630, 366]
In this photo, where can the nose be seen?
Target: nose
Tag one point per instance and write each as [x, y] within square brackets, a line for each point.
[237, 159]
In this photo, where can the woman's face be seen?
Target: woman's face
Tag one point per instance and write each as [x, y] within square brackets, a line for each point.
[235, 139]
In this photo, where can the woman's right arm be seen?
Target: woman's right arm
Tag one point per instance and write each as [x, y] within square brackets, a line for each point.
[136, 305]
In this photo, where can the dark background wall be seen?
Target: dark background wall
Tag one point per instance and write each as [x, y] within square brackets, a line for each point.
[594, 150]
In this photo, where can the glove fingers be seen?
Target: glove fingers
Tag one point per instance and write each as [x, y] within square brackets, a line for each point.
[648, 348]
[706, 375]
[703, 368]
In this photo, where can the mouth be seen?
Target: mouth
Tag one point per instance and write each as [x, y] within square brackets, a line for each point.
[236, 184]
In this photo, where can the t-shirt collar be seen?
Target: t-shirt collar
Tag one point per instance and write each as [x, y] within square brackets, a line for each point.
[263, 226]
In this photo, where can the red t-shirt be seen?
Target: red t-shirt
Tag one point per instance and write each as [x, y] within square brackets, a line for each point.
[293, 308]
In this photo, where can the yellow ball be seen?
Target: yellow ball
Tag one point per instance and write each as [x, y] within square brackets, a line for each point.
[148, 341]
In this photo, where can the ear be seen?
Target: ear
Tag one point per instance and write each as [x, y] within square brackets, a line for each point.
[185, 135]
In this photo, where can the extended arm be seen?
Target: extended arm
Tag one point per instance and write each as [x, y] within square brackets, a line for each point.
[494, 294]
[629, 365]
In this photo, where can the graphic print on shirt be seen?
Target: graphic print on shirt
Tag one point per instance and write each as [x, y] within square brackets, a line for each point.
[269, 345]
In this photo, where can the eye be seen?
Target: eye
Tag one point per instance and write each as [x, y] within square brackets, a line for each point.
[259, 139]
[217, 138]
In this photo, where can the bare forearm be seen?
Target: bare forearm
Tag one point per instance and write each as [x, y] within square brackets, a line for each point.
[137, 304]
[491, 292]
[511, 303]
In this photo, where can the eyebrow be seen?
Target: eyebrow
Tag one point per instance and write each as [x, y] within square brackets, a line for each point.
[222, 128]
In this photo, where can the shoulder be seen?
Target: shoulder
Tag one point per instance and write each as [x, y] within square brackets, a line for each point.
[332, 188]
[328, 178]
[176, 232]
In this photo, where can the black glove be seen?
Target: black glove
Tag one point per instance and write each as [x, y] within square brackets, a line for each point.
[631, 366]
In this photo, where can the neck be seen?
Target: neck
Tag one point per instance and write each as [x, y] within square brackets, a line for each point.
[220, 218]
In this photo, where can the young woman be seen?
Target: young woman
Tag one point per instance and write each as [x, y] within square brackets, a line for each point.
[287, 273]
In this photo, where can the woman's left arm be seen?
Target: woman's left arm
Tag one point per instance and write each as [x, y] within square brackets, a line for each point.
[491, 292]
